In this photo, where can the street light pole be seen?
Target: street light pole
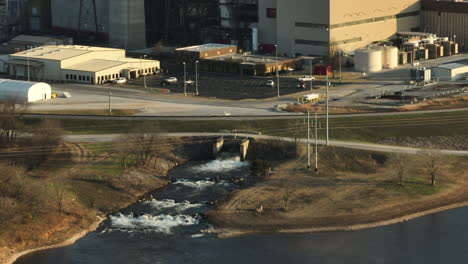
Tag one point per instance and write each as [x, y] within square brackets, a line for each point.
[277, 72]
[28, 68]
[326, 72]
[316, 144]
[308, 139]
[196, 77]
[185, 79]
[109, 94]
[311, 78]
[341, 54]
[144, 74]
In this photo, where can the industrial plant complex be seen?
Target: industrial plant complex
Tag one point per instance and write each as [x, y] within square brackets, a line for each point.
[100, 41]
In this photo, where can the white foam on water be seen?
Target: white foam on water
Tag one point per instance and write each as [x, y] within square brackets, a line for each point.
[171, 204]
[201, 184]
[197, 235]
[221, 165]
[159, 223]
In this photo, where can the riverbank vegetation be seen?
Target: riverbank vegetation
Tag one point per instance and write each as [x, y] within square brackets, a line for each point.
[51, 190]
[351, 188]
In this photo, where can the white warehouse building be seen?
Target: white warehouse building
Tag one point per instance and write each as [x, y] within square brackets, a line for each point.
[82, 64]
[451, 72]
[24, 92]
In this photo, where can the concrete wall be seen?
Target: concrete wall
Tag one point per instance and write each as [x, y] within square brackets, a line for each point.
[266, 26]
[374, 20]
[309, 27]
[127, 24]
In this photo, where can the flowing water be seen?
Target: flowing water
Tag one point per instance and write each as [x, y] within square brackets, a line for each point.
[170, 229]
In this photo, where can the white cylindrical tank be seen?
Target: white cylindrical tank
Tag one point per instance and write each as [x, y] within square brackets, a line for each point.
[390, 60]
[368, 60]
[254, 38]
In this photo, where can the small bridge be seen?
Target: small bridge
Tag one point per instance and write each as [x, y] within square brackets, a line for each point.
[232, 144]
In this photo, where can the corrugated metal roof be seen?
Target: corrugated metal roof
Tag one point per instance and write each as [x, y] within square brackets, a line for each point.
[31, 39]
[94, 65]
[61, 52]
[452, 66]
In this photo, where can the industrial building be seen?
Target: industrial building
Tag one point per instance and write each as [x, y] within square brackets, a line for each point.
[25, 42]
[450, 72]
[121, 23]
[137, 24]
[318, 27]
[224, 58]
[25, 92]
[446, 18]
[82, 64]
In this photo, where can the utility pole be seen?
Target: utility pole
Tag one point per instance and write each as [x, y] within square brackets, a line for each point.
[185, 79]
[316, 144]
[341, 54]
[28, 69]
[327, 140]
[311, 78]
[196, 77]
[109, 94]
[144, 74]
[308, 139]
[277, 71]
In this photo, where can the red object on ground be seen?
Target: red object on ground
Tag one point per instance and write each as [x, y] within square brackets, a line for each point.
[321, 69]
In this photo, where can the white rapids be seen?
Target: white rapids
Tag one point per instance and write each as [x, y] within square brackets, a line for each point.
[221, 165]
[158, 223]
[171, 204]
[201, 184]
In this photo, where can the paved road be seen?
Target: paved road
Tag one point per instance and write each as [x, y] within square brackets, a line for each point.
[343, 144]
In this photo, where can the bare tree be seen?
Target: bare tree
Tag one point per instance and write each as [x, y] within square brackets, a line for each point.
[10, 121]
[433, 161]
[400, 163]
[288, 189]
[124, 149]
[59, 189]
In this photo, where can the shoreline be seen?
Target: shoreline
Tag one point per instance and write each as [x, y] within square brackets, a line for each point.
[236, 232]
[67, 242]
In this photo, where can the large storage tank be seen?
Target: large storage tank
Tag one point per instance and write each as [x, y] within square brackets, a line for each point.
[368, 59]
[390, 57]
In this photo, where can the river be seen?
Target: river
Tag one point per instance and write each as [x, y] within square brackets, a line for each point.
[169, 229]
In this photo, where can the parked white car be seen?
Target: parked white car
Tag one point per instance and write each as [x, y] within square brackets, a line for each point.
[270, 83]
[189, 82]
[120, 80]
[170, 80]
[306, 78]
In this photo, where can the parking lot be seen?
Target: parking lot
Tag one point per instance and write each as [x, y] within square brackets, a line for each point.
[226, 86]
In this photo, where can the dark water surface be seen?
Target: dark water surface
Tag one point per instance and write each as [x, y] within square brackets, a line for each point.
[169, 228]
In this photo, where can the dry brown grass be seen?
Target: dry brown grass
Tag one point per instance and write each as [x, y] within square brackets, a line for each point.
[303, 108]
[437, 104]
[352, 188]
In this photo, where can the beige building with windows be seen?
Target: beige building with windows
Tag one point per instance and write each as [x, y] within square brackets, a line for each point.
[312, 27]
[82, 64]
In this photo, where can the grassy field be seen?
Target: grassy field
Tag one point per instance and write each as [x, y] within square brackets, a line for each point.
[366, 129]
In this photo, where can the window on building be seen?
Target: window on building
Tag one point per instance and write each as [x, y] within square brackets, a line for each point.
[271, 12]
[87, 78]
[66, 76]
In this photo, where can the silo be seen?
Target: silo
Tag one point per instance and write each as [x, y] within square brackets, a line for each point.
[368, 60]
[390, 57]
